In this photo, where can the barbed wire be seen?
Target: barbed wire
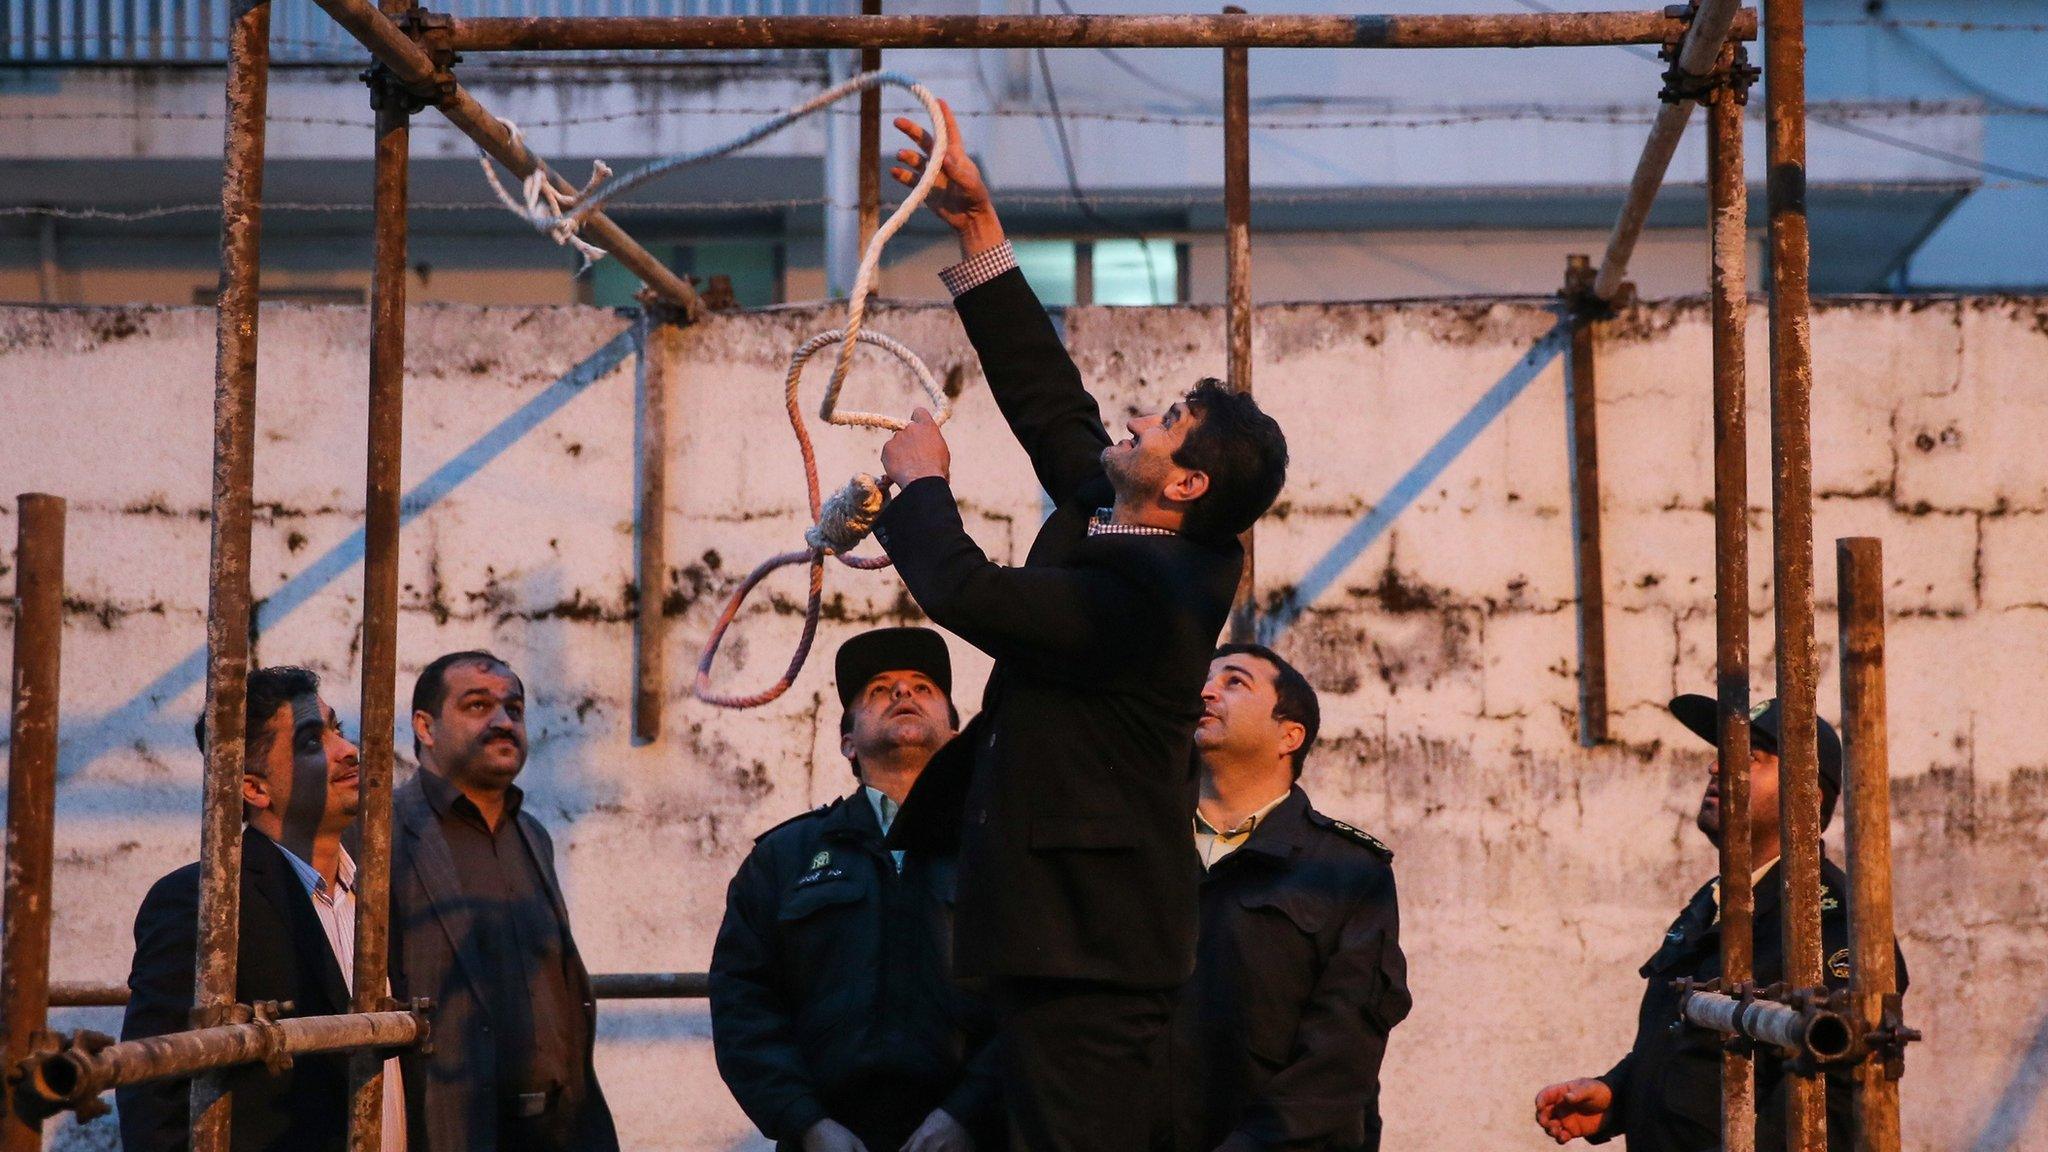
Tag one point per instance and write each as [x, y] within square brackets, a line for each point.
[1930, 25]
[1129, 200]
[1419, 119]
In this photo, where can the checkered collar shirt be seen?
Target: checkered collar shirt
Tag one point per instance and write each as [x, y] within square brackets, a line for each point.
[1101, 525]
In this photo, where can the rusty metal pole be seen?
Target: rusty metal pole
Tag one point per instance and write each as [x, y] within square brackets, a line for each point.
[870, 147]
[1711, 25]
[31, 792]
[1728, 206]
[414, 67]
[1859, 582]
[83, 1065]
[1582, 445]
[660, 356]
[1792, 530]
[228, 621]
[382, 485]
[1237, 257]
[1493, 30]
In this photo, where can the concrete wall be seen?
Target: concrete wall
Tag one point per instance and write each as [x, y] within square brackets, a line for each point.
[1536, 875]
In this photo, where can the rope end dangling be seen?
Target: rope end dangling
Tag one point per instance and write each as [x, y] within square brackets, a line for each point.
[848, 516]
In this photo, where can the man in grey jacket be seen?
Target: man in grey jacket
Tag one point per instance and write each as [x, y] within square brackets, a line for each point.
[478, 924]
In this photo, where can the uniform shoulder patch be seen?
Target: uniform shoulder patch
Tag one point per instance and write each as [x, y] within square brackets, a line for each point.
[1838, 964]
[1360, 836]
[820, 810]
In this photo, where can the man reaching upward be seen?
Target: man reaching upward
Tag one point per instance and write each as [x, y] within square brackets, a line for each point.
[1072, 791]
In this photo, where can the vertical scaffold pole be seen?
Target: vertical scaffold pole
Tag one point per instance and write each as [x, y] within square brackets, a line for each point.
[1792, 529]
[660, 356]
[383, 481]
[228, 602]
[1859, 568]
[1237, 255]
[870, 139]
[31, 791]
[1728, 207]
[1582, 444]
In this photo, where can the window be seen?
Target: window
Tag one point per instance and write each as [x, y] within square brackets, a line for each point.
[1118, 271]
[1137, 272]
[753, 267]
[1049, 265]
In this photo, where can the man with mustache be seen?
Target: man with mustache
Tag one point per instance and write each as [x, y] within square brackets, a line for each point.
[1665, 1095]
[1071, 794]
[478, 925]
[1299, 977]
[833, 1019]
[301, 788]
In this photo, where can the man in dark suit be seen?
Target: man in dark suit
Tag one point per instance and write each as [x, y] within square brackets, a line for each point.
[1072, 791]
[1665, 1095]
[300, 791]
[833, 1020]
[1299, 977]
[478, 924]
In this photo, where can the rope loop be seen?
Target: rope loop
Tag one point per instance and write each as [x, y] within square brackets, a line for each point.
[838, 525]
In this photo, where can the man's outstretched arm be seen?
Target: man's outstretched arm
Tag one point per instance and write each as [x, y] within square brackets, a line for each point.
[1034, 381]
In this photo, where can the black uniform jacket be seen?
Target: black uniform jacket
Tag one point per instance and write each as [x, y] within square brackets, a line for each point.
[1072, 791]
[1667, 1090]
[451, 1093]
[829, 989]
[282, 954]
[1277, 1041]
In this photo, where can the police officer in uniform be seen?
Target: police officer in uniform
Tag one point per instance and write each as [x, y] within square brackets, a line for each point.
[1299, 976]
[833, 1019]
[1665, 1095]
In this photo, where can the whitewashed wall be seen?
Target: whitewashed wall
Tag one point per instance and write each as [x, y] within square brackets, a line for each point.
[1536, 875]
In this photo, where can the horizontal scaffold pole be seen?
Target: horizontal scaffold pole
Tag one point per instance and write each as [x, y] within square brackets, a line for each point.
[1493, 30]
[1810, 1030]
[75, 1071]
[604, 985]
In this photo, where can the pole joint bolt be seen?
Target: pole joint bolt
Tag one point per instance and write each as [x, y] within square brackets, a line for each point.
[1730, 78]
[1580, 301]
[1887, 1042]
[434, 32]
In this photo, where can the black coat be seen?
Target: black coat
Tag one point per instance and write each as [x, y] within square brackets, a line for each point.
[1299, 978]
[1072, 791]
[451, 1093]
[829, 989]
[1667, 1090]
[282, 954]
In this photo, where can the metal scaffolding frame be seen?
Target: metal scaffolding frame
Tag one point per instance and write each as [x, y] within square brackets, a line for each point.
[415, 50]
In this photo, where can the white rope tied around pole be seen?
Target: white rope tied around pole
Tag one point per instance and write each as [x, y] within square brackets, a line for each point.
[539, 188]
[839, 524]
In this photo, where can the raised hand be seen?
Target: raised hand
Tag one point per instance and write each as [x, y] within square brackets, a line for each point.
[958, 196]
[919, 450]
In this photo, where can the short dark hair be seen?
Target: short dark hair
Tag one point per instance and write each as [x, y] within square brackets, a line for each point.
[1829, 794]
[269, 690]
[1293, 698]
[846, 725]
[1242, 451]
[430, 691]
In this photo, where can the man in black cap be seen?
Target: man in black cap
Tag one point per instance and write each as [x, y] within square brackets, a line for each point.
[1665, 1095]
[833, 1019]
